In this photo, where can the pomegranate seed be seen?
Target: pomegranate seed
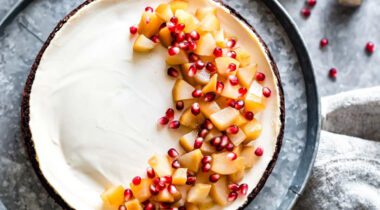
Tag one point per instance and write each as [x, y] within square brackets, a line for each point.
[231, 156]
[173, 50]
[233, 129]
[260, 76]
[122, 207]
[193, 57]
[206, 159]
[311, 3]
[176, 164]
[203, 133]
[174, 124]
[219, 87]
[266, 92]
[210, 67]
[225, 141]
[156, 180]
[233, 187]
[194, 35]
[208, 124]
[163, 120]
[239, 104]
[164, 205]
[259, 151]
[370, 47]
[200, 64]
[324, 42]
[153, 189]
[232, 67]
[306, 12]
[231, 43]
[179, 105]
[133, 30]
[160, 186]
[170, 113]
[230, 147]
[174, 208]
[231, 103]
[192, 46]
[249, 115]
[216, 141]
[172, 189]
[191, 180]
[128, 194]
[206, 167]
[179, 37]
[210, 96]
[173, 72]
[174, 20]
[231, 54]
[149, 9]
[243, 189]
[233, 80]
[192, 71]
[232, 196]
[163, 25]
[155, 39]
[171, 26]
[182, 208]
[149, 206]
[242, 91]
[184, 45]
[197, 93]
[214, 178]
[167, 179]
[218, 52]
[180, 27]
[136, 180]
[195, 109]
[333, 73]
[150, 172]
[198, 142]
[173, 153]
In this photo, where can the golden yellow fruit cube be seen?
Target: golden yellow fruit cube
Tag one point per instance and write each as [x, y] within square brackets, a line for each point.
[253, 130]
[179, 176]
[222, 65]
[243, 57]
[149, 24]
[198, 193]
[141, 192]
[164, 11]
[143, 44]
[133, 205]
[191, 160]
[224, 118]
[246, 75]
[113, 196]
[206, 45]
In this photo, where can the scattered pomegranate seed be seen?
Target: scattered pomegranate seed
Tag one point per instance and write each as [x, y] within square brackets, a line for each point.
[233, 80]
[231, 103]
[173, 153]
[173, 50]
[206, 159]
[179, 105]
[182, 208]
[173, 72]
[172, 189]
[184, 45]
[155, 39]
[231, 43]
[149, 206]
[306, 12]
[218, 52]
[243, 189]
[167, 179]
[210, 67]
[267, 92]
[136, 180]
[174, 124]
[224, 141]
[249, 115]
[232, 67]
[150, 172]
[149, 9]
[128, 194]
[153, 189]
[122, 207]
[324, 42]
[208, 124]
[197, 93]
[164, 205]
[192, 71]
[239, 104]
[203, 133]
[214, 177]
[180, 27]
[242, 91]
[133, 30]
[233, 187]
[259, 151]
[260, 76]
[193, 57]
[210, 96]
[174, 20]
[216, 141]
[370, 47]
[180, 36]
[190, 173]
[161, 185]
[192, 46]
[171, 26]
[169, 113]
[191, 180]
[200, 64]
[311, 3]
[230, 147]
[333, 73]
[198, 142]
[231, 156]
[233, 129]
[232, 196]
[174, 208]
[194, 35]
[231, 54]
[195, 109]
[206, 167]
[156, 180]
[163, 120]
[176, 164]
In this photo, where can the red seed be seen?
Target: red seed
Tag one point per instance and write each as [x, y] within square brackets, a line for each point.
[231, 156]
[161, 185]
[164, 205]
[192, 46]
[191, 180]
[174, 124]
[243, 189]
[193, 57]
[306, 12]
[233, 80]
[179, 105]
[156, 180]
[182, 208]
[206, 159]
[231, 103]
[149, 9]
[153, 189]
[210, 67]
[216, 141]
[122, 207]
[173, 153]
[179, 36]
[231, 43]
[194, 35]
[149, 206]
[210, 96]
[166, 179]
[195, 109]
[232, 67]
[260, 76]
[239, 104]
[267, 92]
[192, 71]
[324, 42]
[163, 120]
[200, 64]
[172, 189]
[218, 52]
[231, 54]
[230, 147]
[214, 178]
[171, 26]
[197, 93]
[206, 167]
[184, 45]
[133, 30]
[208, 124]
[173, 72]
[173, 50]
[128, 194]
[136, 180]
[198, 142]
[155, 39]
[232, 196]
[225, 140]
[176, 164]
[203, 133]
[219, 87]
[370, 47]
[249, 115]
[169, 113]
[150, 172]
[311, 3]
[174, 20]
[333, 73]
[259, 151]
[233, 129]
[233, 187]
[242, 91]
[180, 27]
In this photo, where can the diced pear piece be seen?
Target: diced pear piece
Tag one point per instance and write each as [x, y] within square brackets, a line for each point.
[219, 38]
[185, 73]
[149, 24]
[164, 11]
[254, 100]
[191, 206]
[164, 196]
[238, 138]
[221, 164]
[143, 44]
[211, 85]
[206, 204]
[189, 120]
[207, 148]
[230, 91]
[206, 45]
[141, 192]
[198, 193]
[161, 165]
[243, 57]
[212, 134]
[179, 5]
[180, 176]
[250, 158]
[209, 108]
[209, 23]
[191, 160]
[113, 196]
[204, 11]
[202, 77]
[178, 59]
[187, 141]
[237, 176]
[182, 90]
[165, 37]
[191, 22]
[241, 120]
[237, 149]
[222, 64]
[219, 191]
[224, 118]
[252, 130]
[246, 75]
[133, 204]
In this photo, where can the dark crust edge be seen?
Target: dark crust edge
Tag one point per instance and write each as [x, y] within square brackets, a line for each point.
[25, 110]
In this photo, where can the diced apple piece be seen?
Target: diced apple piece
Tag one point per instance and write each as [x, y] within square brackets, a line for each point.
[219, 191]
[178, 59]
[243, 57]
[222, 64]
[143, 44]
[237, 149]
[209, 23]
[198, 193]
[164, 196]
[206, 45]
[211, 85]
[207, 148]
[238, 138]
[206, 204]
[183, 189]
[241, 120]
[224, 118]
[221, 164]
[250, 158]
[209, 108]
[165, 37]
[149, 24]
[182, 90]
[254, 100]
[176, 194]
[202, 77]
[191, 206]
[189, 120]
[185, 72]
[252, 130]
[179, 5]
[212, 134]
[141, 192]
[246, 75]
[164, 11]
[133, 205]
[230, 91]
[191, 160]
[187, 141]
[219, 38]
[204, 11]
[180, 176]
[191, 22]
[161, 165]
[113, 196]
[237, 176]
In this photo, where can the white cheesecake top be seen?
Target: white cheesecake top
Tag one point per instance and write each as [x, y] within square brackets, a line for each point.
[95, 103]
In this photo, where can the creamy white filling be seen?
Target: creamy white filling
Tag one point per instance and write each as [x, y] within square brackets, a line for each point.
[94, 103]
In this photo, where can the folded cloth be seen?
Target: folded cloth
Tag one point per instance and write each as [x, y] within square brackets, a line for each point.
[346, 173]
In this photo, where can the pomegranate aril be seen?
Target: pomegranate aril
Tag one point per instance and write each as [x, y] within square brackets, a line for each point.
[179, 37]
[164, 206]
[179, 105]
[333, 73]
[311, 3]
[203, 133]
[173, 153]
[193, 57]
[149, 9]
[249, 115]
[155, 39]
[122, 207]
[231, 156]
[324, 42]
[230, 147]
[197, 93]
[198, 142]
[224, 141]
[171, 26]
[242, 91]
[184, 45]
[232, 67]
[210, 67]
[306, 12]
[214, 178]
[182, 208]
[195, 109]
[239, 104]
[136, 180]
[232, 196]
[259, 151]
[173, 51]
[133, 30]
[149, 206]
[231, 103]
[180, 27]
[153, 189]
[128, 194]
[243, 189]
[161, 185]
[191, 180]
[163, 120]
[231, 54]
[216, 141]
[218, 52]
[206, 159]
[210, 96]
[233, 187]
[194, 35]
[174, 20]
[267, 92]
[231, 43]
[150, 172]
[174, 124]
[173, 72]
[233, 80]
[156, 180]
[172, 189]
[208, 124]
[167, 179]
[176, 164]
[206, 167]
[233, 129]
[370, 47]
[200, 64]
[192, 71]
[260, 76]
[219, 87]
[192, 46]
[169, 113]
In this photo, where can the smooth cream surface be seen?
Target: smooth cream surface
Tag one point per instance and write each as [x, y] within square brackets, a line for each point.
[94, 103]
